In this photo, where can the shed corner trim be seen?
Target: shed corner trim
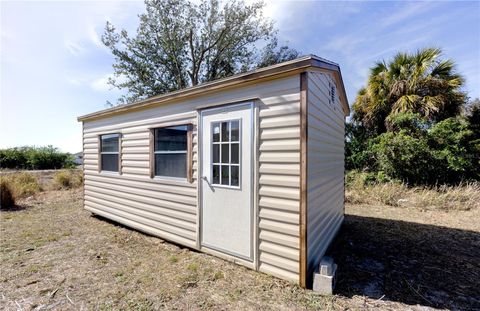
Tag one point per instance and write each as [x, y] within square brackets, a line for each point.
[303, 177]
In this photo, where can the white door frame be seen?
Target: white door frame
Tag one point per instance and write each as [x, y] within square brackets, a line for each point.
[251, 260]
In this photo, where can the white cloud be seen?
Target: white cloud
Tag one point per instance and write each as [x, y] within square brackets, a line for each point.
[95, 38]
[101, 84]
[74, 48]
[74, 81]
[404, 12]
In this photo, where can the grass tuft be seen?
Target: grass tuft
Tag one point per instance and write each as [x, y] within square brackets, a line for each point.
[68, 179]
[192, 267]
[17, 186]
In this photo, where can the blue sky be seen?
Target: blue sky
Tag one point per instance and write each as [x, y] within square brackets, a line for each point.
[54, 68]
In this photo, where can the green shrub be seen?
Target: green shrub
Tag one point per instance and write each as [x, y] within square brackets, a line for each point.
[35, 158]
[416, 152]
[68, 179]
[450, 141]
[410, 123]
[6, 195]
[403, 157]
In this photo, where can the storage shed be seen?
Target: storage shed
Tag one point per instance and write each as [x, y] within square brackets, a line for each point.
[249, 168]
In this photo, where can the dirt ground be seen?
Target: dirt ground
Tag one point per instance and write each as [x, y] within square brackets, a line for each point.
[55, 255]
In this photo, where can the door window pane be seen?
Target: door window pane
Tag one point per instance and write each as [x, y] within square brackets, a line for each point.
[234, 175]
[216, 153]
[225, 154]
[216, 174]
[225, 131]
[235, 153]
[173, 165]
[234, 125]
[225, 175]
[216, 131]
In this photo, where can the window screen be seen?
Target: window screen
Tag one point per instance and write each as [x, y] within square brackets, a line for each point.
[109, 152]
[170, 151]
[226, 153]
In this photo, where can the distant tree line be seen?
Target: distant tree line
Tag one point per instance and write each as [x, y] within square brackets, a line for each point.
[35, 158]
[413, 123]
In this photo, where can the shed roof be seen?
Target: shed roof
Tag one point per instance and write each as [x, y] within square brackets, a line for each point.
[289, 67]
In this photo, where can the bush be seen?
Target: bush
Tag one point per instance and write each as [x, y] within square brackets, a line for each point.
[416, 152]
[6, 196]
[35, 158]
[18, 185]
[450, 140]
[403, 157]
[23, 184]
[68, 179]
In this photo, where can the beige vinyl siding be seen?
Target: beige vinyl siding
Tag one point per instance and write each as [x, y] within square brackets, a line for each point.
[279, 183]
[165, 207]
[168, 208]
[325, 167]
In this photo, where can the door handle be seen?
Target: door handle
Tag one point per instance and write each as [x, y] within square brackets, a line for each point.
[208, 183]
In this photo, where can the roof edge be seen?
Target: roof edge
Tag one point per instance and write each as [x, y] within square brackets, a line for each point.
[277, 69]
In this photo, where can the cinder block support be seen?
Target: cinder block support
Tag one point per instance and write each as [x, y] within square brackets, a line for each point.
[324, 279]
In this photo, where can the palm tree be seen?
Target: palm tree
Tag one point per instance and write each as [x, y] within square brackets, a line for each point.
[421, 83]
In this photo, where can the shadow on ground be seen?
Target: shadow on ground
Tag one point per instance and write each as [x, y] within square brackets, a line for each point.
[408, 262]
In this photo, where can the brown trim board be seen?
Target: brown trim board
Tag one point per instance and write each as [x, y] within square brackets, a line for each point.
[303, 176]
[151, 157]
[190, 153]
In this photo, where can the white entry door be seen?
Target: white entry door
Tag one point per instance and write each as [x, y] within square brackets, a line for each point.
[226, 179]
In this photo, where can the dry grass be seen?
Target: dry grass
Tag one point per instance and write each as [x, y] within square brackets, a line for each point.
[16, 185]
[55, 255]
[461, 197]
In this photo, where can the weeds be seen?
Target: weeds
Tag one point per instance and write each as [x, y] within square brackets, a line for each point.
[360, 190]
[140, 304]
[218, 275]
